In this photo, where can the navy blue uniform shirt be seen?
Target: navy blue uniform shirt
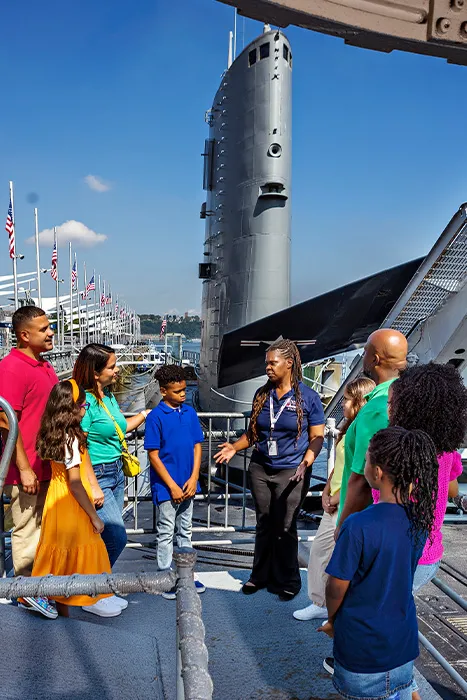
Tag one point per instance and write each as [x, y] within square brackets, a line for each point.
[289, 451]
[376, 626]
[174, 432]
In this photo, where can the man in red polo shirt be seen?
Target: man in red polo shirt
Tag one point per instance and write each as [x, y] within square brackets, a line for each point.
[25, 382]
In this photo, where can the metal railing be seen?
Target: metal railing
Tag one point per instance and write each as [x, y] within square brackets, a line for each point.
[193, 679]
[218, 489]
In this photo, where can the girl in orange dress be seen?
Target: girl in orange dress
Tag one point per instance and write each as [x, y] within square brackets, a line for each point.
[70, 541]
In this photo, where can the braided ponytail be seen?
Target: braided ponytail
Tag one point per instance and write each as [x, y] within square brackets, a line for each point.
[408, 458]
[289, 351]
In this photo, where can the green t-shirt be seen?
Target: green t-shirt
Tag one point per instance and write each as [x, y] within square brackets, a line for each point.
[371, 418]
[103, 442]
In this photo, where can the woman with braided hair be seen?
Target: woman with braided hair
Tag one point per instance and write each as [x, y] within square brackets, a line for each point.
[287, 431]
[371, 609]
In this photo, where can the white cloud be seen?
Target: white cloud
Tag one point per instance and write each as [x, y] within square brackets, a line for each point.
[97, 184]
[71, 231]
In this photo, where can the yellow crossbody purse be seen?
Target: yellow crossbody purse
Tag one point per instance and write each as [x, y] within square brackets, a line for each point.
[130, 463]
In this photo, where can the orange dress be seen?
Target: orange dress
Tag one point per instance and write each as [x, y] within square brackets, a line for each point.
[68, 543]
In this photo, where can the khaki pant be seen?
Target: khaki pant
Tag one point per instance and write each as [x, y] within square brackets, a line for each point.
[26, 514]
[320, 554]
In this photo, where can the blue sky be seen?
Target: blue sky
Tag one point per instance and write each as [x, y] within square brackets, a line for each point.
[118, 90]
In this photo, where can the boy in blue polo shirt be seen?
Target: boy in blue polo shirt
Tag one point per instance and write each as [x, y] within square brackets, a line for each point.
[173, 440]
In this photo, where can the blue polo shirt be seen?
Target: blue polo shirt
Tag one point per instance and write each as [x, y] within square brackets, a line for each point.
[376, 626]
[174, 432]
[290, 451]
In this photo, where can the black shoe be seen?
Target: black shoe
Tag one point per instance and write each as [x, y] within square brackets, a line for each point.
[328, 665]
[249, 588]
[287, 595]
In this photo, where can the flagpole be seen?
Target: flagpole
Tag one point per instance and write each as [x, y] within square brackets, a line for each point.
[100, 309]
[38, 261]
[86, 299]
[79, 306]
[95, 308]
[71, 294]
[15, 278]
[57, 292]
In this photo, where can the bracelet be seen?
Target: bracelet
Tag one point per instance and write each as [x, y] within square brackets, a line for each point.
[144, 414]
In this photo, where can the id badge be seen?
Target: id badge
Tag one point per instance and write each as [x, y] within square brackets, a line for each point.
[272, 448]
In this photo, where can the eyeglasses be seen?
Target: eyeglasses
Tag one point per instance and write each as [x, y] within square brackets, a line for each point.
[85, 405]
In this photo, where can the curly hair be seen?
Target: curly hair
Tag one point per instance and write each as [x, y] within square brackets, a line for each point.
[289, 351]
[431, 398]
[408, 458]
[169, 374]
[356, 391]
[61, 423]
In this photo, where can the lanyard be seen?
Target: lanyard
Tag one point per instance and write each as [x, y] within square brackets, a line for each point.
[275, 418]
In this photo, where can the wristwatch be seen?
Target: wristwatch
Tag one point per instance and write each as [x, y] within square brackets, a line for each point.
[145, 413]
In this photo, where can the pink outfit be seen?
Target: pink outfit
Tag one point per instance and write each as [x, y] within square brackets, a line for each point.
[26, 384]
[450, 468]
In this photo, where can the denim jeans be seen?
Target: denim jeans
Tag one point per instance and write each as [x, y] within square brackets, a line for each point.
[112, 482]
[390, 685]
[423, 575]
[172, 519]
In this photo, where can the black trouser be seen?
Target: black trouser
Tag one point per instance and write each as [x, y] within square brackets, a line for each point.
[277, 501]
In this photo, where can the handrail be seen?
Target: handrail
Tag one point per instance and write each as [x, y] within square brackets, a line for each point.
[10, 441]
[193, 679]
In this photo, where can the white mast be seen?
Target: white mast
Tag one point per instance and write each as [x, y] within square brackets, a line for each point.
[57, 291]
[15, 279]
[86, 330]
[71, 295]
[38, 261]
[95, 340]
[229, 59]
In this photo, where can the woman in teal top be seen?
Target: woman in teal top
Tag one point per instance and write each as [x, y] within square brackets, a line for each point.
[96, 371]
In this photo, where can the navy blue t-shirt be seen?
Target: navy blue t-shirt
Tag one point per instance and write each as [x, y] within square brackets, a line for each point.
[376, 626]
[174, 432]
[289, 451]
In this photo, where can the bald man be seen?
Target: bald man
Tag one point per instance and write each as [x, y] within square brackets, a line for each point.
[385, 357]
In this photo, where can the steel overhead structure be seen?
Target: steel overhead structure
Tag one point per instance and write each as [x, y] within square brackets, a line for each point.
[431, 27]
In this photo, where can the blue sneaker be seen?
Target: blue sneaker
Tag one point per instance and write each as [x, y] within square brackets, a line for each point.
[200, 587]
[41, 605]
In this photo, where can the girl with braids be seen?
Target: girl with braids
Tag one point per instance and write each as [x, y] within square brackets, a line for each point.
[287, 431]
[323, 544]
[371, 610]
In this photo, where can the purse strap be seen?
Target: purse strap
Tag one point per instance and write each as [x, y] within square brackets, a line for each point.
[120, 433]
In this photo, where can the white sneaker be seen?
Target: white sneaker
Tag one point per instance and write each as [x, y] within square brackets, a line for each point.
[119, 601]
[311, 612]
[105, 607]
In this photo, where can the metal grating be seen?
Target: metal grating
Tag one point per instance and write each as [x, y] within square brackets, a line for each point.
[458, 623]
[442, 274]
[446, 277]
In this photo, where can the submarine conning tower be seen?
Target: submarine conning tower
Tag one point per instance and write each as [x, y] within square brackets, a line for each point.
[247, 178]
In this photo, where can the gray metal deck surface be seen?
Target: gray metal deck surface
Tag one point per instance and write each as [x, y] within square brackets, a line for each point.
[257, 650]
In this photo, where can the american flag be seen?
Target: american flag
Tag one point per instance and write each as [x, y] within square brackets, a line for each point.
[91, 285]
[103, 299]
[10, 229]
[163, 327]
[116, 307]
[53, 270]
[74, 275]
[122, 313]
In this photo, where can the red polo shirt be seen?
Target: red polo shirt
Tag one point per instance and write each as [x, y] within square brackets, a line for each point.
[26, 384]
